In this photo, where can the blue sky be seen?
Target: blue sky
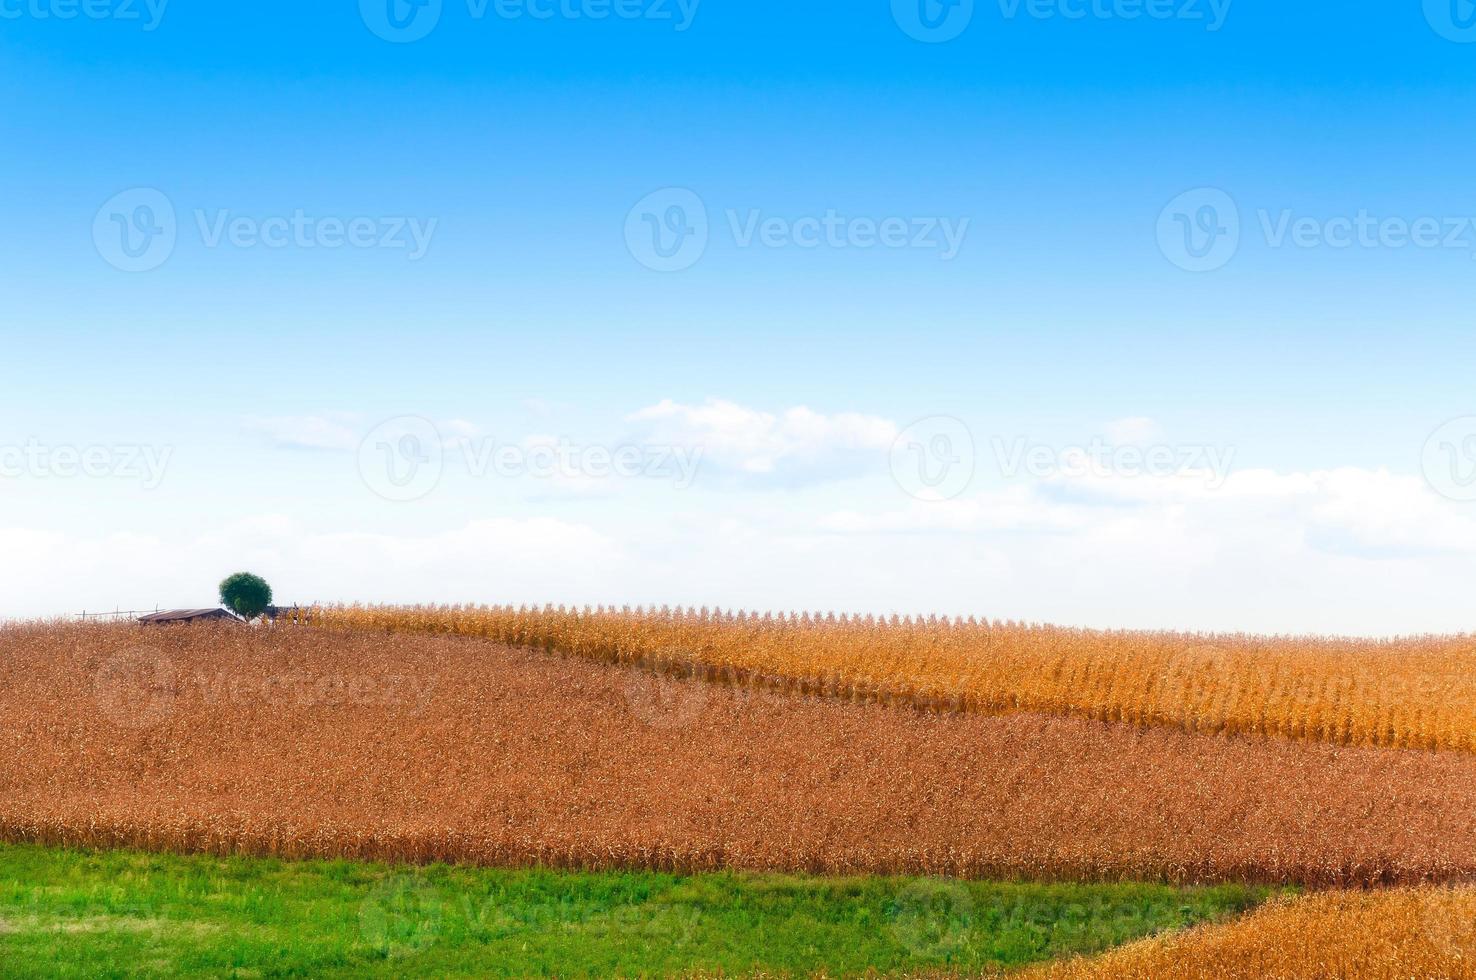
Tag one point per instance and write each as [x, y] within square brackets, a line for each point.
[1065, 152]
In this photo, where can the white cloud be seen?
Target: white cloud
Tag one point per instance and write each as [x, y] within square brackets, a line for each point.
[1342, 551]
[496, 551]
[457, 431]
[1133, 431]
[1350, 510]
[728, 440]
[1012, 509]
[334, 431]
[1378, 512]
[1347, 509]
[345, 431]
[1345, 550]
[796, 446]
[532, 559]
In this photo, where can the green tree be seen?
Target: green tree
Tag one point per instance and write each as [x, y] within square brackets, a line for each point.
[246, 595]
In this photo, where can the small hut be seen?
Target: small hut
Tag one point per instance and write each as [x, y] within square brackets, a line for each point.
[169, 616]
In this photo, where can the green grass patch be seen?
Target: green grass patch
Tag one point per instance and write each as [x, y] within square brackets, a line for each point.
[126, 914]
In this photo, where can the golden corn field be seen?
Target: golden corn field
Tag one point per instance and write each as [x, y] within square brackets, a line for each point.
[684, 742]
[1412, 693]
[1392, 935]
[301, 742]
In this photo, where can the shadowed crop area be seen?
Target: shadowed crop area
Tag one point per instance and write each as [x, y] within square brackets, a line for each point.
[300, 742]
[1418, 692]
[123, 914]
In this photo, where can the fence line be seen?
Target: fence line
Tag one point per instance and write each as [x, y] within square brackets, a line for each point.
[294, 614]
[117, 613]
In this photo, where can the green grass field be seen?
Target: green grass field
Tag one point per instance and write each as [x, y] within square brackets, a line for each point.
[116, 914]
